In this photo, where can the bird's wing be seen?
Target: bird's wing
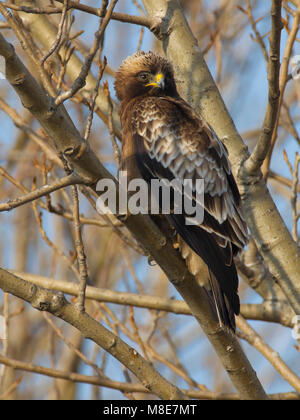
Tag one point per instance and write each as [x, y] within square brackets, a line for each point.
[171, 141]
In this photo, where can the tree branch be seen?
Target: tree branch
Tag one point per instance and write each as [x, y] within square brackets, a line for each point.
[71, 179]
[262, 146]
[272, 238]
[250, 335]
[123, 386]
[69, 142]
[45, 300]
[271, 311]
[121, 17]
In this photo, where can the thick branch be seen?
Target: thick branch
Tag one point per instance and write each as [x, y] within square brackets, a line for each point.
[249, 334]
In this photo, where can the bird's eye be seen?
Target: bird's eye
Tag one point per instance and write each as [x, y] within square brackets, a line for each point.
[143, 76]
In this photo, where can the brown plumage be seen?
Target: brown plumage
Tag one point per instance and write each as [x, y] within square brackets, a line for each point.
[163, 137]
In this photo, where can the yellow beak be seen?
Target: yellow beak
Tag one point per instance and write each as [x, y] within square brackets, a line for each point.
[159, 81]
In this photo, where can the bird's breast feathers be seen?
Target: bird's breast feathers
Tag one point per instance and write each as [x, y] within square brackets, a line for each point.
[180, 145]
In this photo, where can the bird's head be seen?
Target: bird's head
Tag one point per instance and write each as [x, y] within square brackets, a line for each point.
[145, 73]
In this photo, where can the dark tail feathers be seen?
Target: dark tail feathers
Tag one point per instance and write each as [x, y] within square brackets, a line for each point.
[223, 278]
[220, 305]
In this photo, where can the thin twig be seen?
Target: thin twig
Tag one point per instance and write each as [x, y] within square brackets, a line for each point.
[267, 311]
[101, 68]
[42, 300]
[255, 30]
[71, 345]
[61, 26]
[81, 79]
[249, 334]
[81, 256]
[295, 216]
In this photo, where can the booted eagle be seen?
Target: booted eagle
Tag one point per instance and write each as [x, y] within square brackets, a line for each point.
[164, 138]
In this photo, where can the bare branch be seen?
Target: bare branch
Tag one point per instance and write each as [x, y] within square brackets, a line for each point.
[272, 238]
[40, 192]
[144, 230]
[80, 81]
[81, 256]
[57, 42]
[283, 79]
[56, 304]
[255, 30]
[253, 338]
[267, 311]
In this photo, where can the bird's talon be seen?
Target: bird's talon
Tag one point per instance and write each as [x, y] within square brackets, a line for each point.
[122, 217]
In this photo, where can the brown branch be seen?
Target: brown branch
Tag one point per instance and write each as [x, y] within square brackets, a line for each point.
[40, 192]
[57, 42]
[123, 386]
[262, 146]
[110, 124]
[294, 192]
[283, 180]
[95, 93]
[294, 197]
[59, 211]
[81, 256]
[255, 30]
[70, 143]
[283, 79]
[269, 311]
[45, 300]
[121, 17]
[272, 311]
[37, 138]
[28, 45]
[80, 81]
[250, 335]
[272, 238]
[71, 345]
[45, 32]
[66, 138]
[11, 388]
[74, 377]
[56, 249]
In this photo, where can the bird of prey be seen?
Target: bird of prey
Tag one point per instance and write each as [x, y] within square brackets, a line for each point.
[164, 138]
